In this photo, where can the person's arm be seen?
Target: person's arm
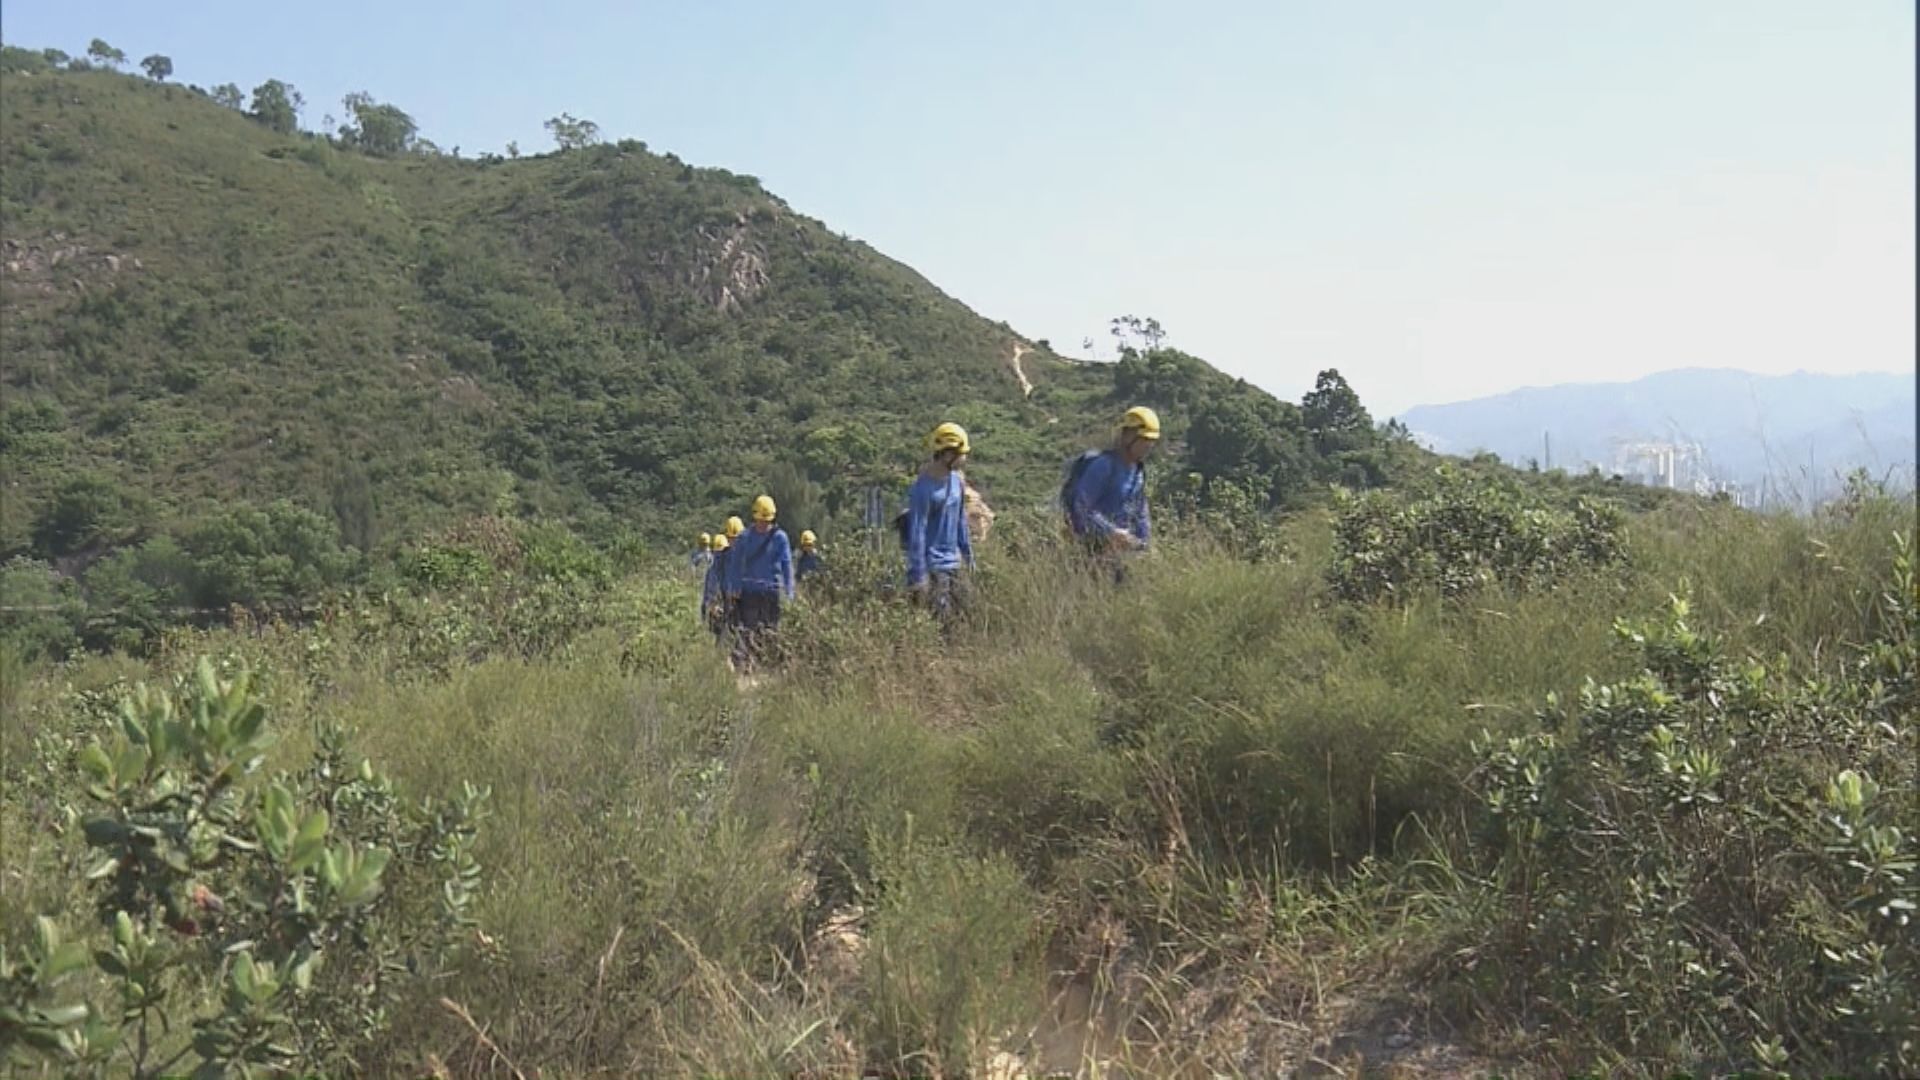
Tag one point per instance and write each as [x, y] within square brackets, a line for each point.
[783, 561]
[966, 525]
[1142, 521]
[730, 581]
[919, 501]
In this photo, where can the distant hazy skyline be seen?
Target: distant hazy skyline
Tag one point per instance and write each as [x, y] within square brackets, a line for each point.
[1442, 200]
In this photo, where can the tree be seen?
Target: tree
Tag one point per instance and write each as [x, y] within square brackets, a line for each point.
[56, 57]
[513, 149]
[572, 134]
[229, 95]
[1134, 332]
[103, 53]
[1335, 419]
[797, 497]
[278, 106]
[85, 510]
[157, 67]
[377, 128]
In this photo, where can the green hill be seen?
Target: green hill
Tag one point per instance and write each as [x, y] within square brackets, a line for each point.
[201, 309]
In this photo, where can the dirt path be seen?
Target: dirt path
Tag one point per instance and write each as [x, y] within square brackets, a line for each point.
[1019, 370]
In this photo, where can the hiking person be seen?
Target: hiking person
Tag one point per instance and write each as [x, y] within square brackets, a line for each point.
[1105, 494]
[939, 547]
[809, 561]
[702, 554]
[713, 589]
[759, 574]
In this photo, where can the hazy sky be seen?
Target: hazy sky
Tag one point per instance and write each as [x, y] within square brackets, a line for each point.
[1442, 200]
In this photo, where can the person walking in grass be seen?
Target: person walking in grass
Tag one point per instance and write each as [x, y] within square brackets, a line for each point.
[759, 576]
[939, 547]
[809, 562]
[702, 554]
[713, 589]
[1105, 493]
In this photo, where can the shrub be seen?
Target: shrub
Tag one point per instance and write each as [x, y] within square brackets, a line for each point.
[223, 892]
[952, 960]
[1464, 534]
[272, 558]
[43, 610]
[1713, 862]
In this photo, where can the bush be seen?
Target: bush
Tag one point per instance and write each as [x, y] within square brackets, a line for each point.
[1713, 863]
[952, 961]
[84, 511]
[1464, 534]
[223, 892]
[43, 613]
[273, 558]
[135, 594]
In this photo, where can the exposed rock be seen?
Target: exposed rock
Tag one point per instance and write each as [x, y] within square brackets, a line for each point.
[32, 263]
[731, 268]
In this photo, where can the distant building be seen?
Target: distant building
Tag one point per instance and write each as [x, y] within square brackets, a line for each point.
[1674, 465]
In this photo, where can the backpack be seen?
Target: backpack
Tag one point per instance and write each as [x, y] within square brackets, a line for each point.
[1075, 467]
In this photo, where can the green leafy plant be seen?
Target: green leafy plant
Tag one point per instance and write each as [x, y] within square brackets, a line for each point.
[1708, 862]
[274, 890]
[1463, 533]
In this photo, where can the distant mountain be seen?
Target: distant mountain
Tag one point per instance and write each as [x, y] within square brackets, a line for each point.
[1790, 436]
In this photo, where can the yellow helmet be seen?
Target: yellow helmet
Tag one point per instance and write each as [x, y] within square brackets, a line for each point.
[719, 543]
[705, 540]
[763, 508]
[807, 539]
[1142, 421]
[949, 436]
[735, 527]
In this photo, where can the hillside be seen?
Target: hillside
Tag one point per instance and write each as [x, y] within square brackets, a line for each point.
[1794, 433]
[199, 309]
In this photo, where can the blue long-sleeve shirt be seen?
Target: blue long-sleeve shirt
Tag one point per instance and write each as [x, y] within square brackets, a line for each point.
[937, 538]
[715, 582]
[1111, 495]
[808, 563]
[760, 562]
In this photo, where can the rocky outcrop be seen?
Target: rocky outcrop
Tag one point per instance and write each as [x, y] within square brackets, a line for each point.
[56, 261]
[731, 267]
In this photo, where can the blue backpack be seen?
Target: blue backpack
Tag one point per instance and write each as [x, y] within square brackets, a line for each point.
[1076, 466]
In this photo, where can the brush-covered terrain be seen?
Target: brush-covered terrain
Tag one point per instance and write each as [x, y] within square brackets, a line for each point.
[358, 719]
[1373, 793]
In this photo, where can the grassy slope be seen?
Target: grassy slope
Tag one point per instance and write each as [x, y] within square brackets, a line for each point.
[542, 330]
[662, 837]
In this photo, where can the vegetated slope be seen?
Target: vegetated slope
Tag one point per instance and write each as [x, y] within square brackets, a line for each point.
[1801, 430]
[198, 308]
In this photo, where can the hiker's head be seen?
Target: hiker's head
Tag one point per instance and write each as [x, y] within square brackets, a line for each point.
[763, 513]
[949, 444]
[705, 542]
[1139, 434]
[719, 544]
[735, 527]
[807, 540]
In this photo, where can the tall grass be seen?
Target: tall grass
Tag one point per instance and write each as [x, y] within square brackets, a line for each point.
[1214, 794]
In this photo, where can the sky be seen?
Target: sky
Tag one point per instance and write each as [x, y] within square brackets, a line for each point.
[1442, 201]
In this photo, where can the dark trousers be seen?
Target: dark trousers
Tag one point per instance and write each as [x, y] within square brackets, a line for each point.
[948, 596]
[756, 622]
[1102, 560]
